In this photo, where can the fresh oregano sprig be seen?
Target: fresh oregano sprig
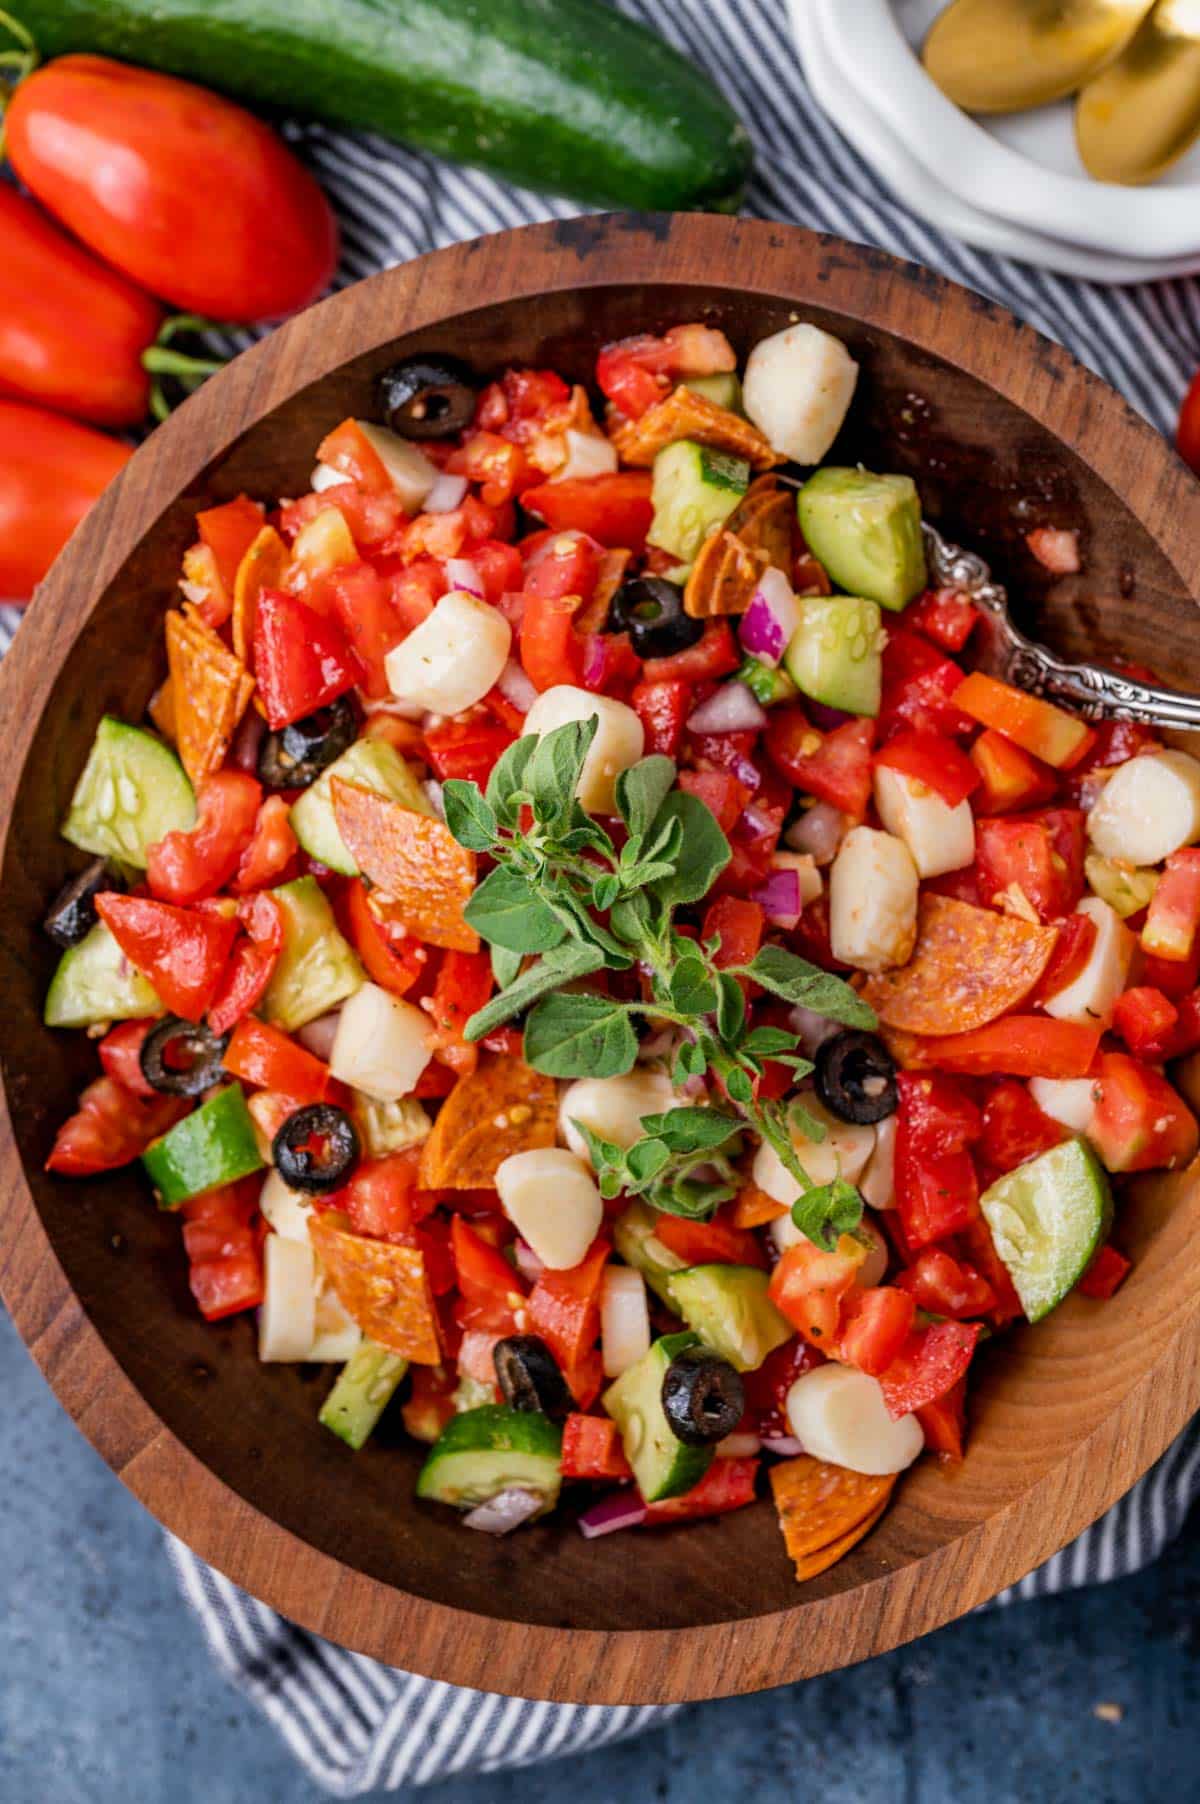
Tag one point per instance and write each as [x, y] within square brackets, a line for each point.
[562, 894]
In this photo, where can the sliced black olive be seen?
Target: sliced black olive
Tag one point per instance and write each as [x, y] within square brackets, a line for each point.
[856, 1077]
[650, 610]
[182, 1058]
[527, 1374]
[73, 911]
[427, 396]
[316, 1149]
[702, 1397]
[296, 755]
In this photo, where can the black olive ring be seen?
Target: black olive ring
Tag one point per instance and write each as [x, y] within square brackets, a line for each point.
[855, 1077]
[528, 1376]
[72, 913]
[328, 1167]
[297, 754]
[651, 611]
[427, 396]
[703, 1398]
[182, 1058]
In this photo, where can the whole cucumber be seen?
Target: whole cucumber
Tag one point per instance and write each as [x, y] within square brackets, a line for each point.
[562, 95]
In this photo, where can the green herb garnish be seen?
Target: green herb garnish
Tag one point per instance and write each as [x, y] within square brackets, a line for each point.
[562, 892]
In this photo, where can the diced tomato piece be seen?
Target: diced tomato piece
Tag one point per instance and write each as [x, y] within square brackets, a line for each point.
[561, 563]
[919, 686]
[739, 925]
[229, 1285]
[564, 1308]
[120, 1054]
[430, 1402]
[715, 654]
[271, 851]
[1106, 1273]
[223, 1239]
[467, 749]
[875, 1326]
[1015, 1046]
[931, 759]
[944, 1422]
[370, 514]
[715, 1242]
[835, 767]
[464, 983]
[395, 963]
[767, 1388]
[229, 531]
[1040, 855]
[943, 1285]
[976, 1248]
[1037, 726]
[940, 1116]
[362, 601]
[1009, 778]
[111, 1127]
[1174, 912]
[1014, 1130]
[1116, 741]
[500, 467]
[1145, 1020]
[551, 649]
[251, 964]
[614, 510]
[1072, 949]
[348, 449]
[381, 1199]
[933, 1361]
[435, 1081]
[182, 951]
[267, 1059]
[721, 794]
[301, 659]
[1141, 1122]
[491, 1289]
[591, 1449]
[632, 373]
[416, 590]
[808, 1285]
[187, 866]
[1176, 978]
[937, 1191]
[662, 709]
[944, 615]
[727, 1485]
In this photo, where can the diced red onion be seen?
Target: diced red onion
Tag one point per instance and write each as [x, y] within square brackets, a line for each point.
[516, 687]
[595, 661]
[433, 790]
[729, 709]
[811, 1030]
[247, 740]
[528, 1263]
[779, 898]
[771, 618]
[446, 493]
[462, 574]
[505, 1511]
[823, 718]
[620, 1509]
[785, 1445]
[317, 1036]
[819, 831]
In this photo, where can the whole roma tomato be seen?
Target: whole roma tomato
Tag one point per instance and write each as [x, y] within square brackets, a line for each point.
[51, 471]
[189, 195]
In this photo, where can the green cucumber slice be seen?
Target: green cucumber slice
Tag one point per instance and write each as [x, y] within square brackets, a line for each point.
[730, 1310]
[492, 1449]
[365, 1387]
[694, 489]
[1047, 1218]
[866, 530]
[132, 791]
[662, 1465]
[723, 389]
[638, 1245]
[317, 968]
[94, 982]
[765, 683]
[213, 1146]
[836, 653]
[371, 764]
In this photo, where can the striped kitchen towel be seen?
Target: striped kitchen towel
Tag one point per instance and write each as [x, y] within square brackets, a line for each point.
[354, 1724]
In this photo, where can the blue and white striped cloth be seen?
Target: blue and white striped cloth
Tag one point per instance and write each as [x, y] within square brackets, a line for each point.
[356, 1725]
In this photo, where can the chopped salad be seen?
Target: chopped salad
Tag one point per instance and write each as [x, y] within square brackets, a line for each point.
[579, 948]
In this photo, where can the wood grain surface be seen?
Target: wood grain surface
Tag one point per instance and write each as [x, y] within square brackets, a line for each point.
[1003, 431]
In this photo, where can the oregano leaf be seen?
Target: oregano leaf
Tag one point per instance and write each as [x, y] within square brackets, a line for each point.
[579, 1034]
[507, 911]
[469, 815]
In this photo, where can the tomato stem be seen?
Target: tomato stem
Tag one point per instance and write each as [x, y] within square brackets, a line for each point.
[161, 359]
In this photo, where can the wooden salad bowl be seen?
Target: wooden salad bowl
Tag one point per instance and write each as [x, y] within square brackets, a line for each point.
[1002, 431]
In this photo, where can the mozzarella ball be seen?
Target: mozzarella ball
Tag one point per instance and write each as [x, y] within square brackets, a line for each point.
[1069, 1100]
[382, 1044]
[288, 1318]
[843, 1153]
[411, 473]
[453, 658]
[878, 1181]
[287, 1210]
[874, 1267]
[588, 454]
[1091, 997]
[797, 390]
[619, 742]
[612, 1107]
[1148, 808]
[551, 1199]
[838, 1414]
[624, 1319]
[939, 837]
[873, 901]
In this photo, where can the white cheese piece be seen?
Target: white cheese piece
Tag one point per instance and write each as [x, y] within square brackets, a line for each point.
[287, 1320]
[839, 1415]
[382, 1044]
[878, 1181]
[551, 1199]
[588, 454]
[624, 1319]
[1069, 1100]
[453, 658]
[939, 837]
[874, 1266]
[873, 901]
[286, 1209]
[612, 1107]
[843, 1153]
[797, 390]
[411, 473]
[619, 742]
[1149, 808]
[1091, 997]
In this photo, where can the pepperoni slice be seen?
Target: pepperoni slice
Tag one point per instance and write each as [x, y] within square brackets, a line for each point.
[970, 965]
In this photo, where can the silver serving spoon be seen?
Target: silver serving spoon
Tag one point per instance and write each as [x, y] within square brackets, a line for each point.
[1002, 651]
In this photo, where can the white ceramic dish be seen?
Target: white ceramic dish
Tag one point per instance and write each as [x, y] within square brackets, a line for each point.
[833, 85]
[992, 169]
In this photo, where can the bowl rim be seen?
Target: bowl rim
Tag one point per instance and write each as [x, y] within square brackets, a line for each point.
[313, 1588]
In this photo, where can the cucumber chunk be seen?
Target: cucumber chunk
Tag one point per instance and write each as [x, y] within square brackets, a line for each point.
[317, 968]
[133, 790]
[492, 1449]
[694, 489]
[638, 1245]
[363, 1391]
[836, 653]
[1047, 1218]
[662, 1465]
[730, 1310]
[766, 684]
[866, 530]
[723, 389]
[214, 1145]
[371, 764]
[95, 982]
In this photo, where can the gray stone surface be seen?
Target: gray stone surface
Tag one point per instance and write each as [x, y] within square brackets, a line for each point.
[107, 1695]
